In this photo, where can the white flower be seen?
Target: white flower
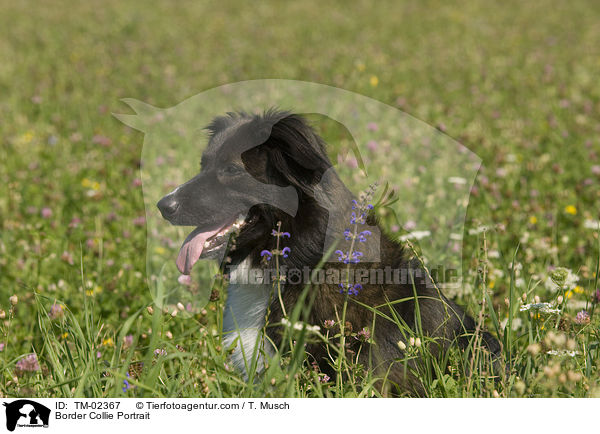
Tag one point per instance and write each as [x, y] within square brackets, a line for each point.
[457, 180]
[478, 230]
[497, 273]
[540, 307]
[416, 235]
[300, 325]
[493, 254]
[570, 282]
[517, 266]
[591, 224]
[562, 353]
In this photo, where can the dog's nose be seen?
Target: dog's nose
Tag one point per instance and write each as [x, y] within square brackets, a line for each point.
[167, 206]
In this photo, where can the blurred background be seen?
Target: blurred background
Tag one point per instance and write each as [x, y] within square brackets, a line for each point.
[514, 82]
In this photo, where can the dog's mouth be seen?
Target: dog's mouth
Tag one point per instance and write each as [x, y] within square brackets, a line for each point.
[205, 242]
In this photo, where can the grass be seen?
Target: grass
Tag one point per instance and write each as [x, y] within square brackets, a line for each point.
[513, 82]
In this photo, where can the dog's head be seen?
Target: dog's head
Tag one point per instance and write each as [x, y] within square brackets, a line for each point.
[255, 169]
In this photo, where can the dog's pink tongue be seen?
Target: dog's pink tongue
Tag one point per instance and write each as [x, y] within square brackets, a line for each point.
[192, 249]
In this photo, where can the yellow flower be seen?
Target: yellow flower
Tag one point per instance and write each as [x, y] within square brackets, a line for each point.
[25, 138]
[571, 210]
[96, 289]
[374, 80]
[159, 250]
[108, 342]
[64, 335]
[94, 185]
[569, 294]
[492, 284]
[578, 289]
[533, 220]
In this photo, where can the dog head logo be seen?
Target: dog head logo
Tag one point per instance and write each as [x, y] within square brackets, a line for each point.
[430, 174]
[26, 413]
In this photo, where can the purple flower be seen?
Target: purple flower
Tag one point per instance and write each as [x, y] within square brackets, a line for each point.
[267, 254]
[328, 323]
[101, 140]
[324, 379]
[372, 126]
[46, 212]
[281, 234]
[56, 311]
[139, 221]
[362, 237]
[596, 296]
[160, 352]
[29, 363]
[127, 341]
[67, 257]
[582, 317]
[353, 259]
[126, 384]
[596, 170]
[364, 335]
[285, 252]
[357, 220]
[352, 289]
[372, 145]
[75, 221]
[410, 225]
[2, 346]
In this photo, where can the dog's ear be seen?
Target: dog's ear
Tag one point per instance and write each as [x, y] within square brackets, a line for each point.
[299, 141]
[296, 151]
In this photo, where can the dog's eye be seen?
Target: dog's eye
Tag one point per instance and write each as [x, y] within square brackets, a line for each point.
[231, 169]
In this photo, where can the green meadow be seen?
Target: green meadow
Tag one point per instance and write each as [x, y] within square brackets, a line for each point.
[514, 82]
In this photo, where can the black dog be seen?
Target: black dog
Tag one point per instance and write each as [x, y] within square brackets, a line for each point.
[259, 170]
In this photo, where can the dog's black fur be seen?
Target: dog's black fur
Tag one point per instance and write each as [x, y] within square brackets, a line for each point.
[280, 149]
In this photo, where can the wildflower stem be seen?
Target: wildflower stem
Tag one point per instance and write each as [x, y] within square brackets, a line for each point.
[477, 333]
[277, 270]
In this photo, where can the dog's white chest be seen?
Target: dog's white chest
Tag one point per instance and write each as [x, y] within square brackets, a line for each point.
[244, 319]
